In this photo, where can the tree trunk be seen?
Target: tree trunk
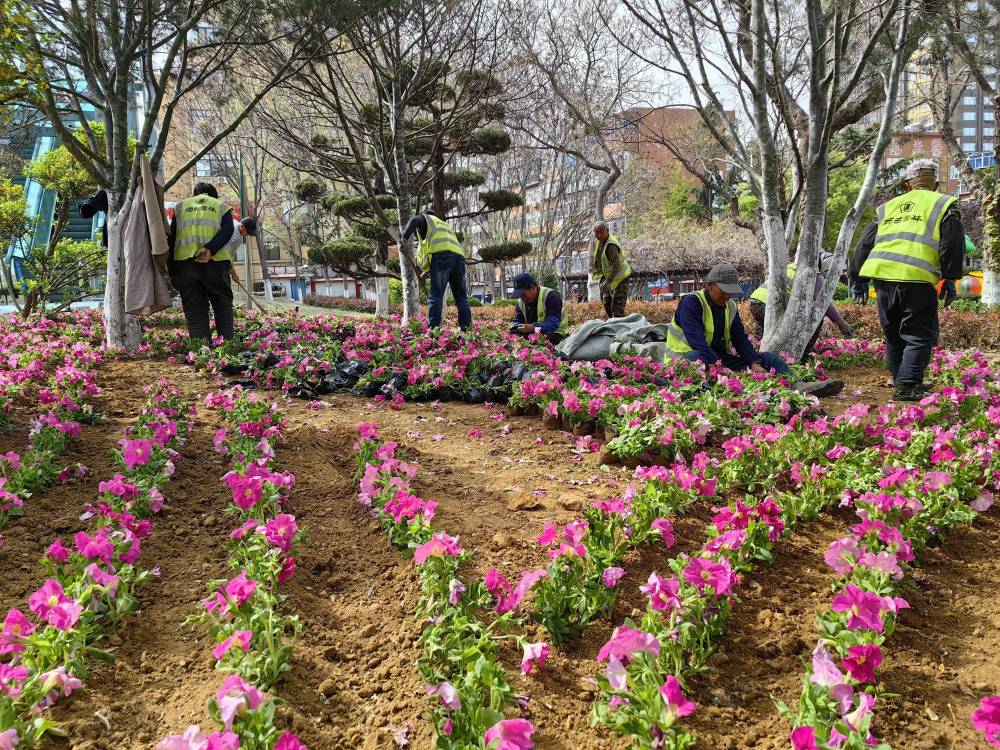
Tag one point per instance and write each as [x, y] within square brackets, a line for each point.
[991, 249]
[991, 235]
[381, 292]
[404, 204]
[121, 331]
[268, 294]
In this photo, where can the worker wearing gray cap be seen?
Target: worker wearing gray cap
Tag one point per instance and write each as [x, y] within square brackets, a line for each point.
[916, 240]
[707, 327]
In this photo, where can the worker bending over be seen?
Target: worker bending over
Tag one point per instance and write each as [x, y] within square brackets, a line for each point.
[759, 297]
[916, 240]
[441, 255]
[538, 310]
[707, 327]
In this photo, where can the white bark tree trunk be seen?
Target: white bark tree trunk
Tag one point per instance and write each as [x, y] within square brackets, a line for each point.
[121, 331]
[991, 285]
[381, 293]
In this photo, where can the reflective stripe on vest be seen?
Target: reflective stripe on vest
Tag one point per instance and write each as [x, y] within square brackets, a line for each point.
[543, 293]
[760, 293]
[198, 220]
[621, 271]
[677, 341]
[440, 238]
[908, 240]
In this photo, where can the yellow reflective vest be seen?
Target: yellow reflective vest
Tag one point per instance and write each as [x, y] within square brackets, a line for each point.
[760, 293]
[677, 342]
[908, 240]
[440, 238]
[614, 273]
[543, 293]
[198, 220]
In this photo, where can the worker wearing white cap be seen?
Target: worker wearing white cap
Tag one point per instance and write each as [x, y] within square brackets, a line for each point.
[916, 240]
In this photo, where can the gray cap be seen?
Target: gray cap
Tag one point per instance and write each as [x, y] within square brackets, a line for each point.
[727, 278]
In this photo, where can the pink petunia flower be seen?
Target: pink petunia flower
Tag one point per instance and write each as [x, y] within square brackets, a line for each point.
[9, 739]
[705, 574]
[677, 705]
[987, 719]
[12, 679]
[617, 674]
[662, 592]
[236, 696]
[240, 639]
[862, 661]
[625, 642]
[280, 531]
[57, 552]
[240, 589]
[803, 738]
[16, 627]
[288, 568]
[549, 534]
[455, 590]
[289, 741]
[439, 545]
[864, 609]
[447, 694]
[534, 653]
[666, 530]
[136, 452]
[510, 734]
[842, 555]
[611, 576]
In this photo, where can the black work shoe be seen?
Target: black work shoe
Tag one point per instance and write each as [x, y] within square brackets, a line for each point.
[821, 388]
[908, 392]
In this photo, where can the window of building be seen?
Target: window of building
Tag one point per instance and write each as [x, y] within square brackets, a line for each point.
[969, 116]
[987, 145]
[968, 147]
[988, 116]
[212, 165]
[971, 132]
[969, 101]
[988, 132]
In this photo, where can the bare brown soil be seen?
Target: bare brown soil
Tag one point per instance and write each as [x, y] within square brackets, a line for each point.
[354, 681]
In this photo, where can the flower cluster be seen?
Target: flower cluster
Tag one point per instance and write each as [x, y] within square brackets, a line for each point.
[62, 406]
[242, 613]
[460, 665]
[91, 580]
[939, 464]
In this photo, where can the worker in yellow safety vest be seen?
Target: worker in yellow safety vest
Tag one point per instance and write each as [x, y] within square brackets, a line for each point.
[611, 269]
[916, 240]
[539, 310]
[200, 261]
[440, 253]
[707, 328]
[759, 298]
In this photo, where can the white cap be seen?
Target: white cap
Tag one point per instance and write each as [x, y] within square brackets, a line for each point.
[918, 167]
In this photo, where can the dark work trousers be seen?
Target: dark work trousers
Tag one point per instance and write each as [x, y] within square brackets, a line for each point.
[614, 300]
[768, 360]
[201, 285]
[448, 270]
[758, 310]
[908, 312]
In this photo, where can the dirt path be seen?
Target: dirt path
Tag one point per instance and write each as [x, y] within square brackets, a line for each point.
[354, 683]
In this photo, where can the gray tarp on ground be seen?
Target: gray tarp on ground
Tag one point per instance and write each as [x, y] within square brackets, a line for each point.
[599, 339]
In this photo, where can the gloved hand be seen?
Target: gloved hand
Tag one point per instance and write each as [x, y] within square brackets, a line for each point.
[847, 330]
